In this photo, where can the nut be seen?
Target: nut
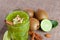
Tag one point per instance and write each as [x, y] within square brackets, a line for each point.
[48, 35]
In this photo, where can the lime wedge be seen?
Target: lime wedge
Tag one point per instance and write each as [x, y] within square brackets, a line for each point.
[5, 37]
[46, 25]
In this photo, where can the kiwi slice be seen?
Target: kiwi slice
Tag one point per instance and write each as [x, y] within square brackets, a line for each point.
[5, 37]
[46, 25]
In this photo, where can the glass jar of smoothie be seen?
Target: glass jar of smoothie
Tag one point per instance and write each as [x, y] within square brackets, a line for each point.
[18, 31]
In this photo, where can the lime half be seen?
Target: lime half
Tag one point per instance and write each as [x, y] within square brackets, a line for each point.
[5, 37]
[46, 25]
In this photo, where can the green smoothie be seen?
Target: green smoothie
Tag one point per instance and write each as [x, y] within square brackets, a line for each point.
[18, 31]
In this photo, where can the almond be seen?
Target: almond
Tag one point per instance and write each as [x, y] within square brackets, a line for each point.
[48, 35]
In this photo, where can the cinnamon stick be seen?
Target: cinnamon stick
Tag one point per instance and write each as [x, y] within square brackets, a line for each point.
[33, 36]
[36, 36]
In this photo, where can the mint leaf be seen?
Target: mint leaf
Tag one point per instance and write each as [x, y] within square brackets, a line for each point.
[54, 23]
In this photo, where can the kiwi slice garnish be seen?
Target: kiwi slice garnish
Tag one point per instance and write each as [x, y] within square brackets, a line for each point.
[5, 37]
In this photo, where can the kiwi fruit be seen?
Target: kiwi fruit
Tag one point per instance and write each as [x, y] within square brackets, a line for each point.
[30, 12]
[34, 24]
[41, 14]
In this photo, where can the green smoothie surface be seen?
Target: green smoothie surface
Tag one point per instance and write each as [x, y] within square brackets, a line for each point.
[22, 14]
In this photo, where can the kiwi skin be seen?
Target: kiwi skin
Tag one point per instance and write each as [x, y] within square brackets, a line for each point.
[34, 24]
[30, 12]
[41, 14]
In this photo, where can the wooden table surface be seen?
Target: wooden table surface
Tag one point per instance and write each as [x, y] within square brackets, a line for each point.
[51, 6]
